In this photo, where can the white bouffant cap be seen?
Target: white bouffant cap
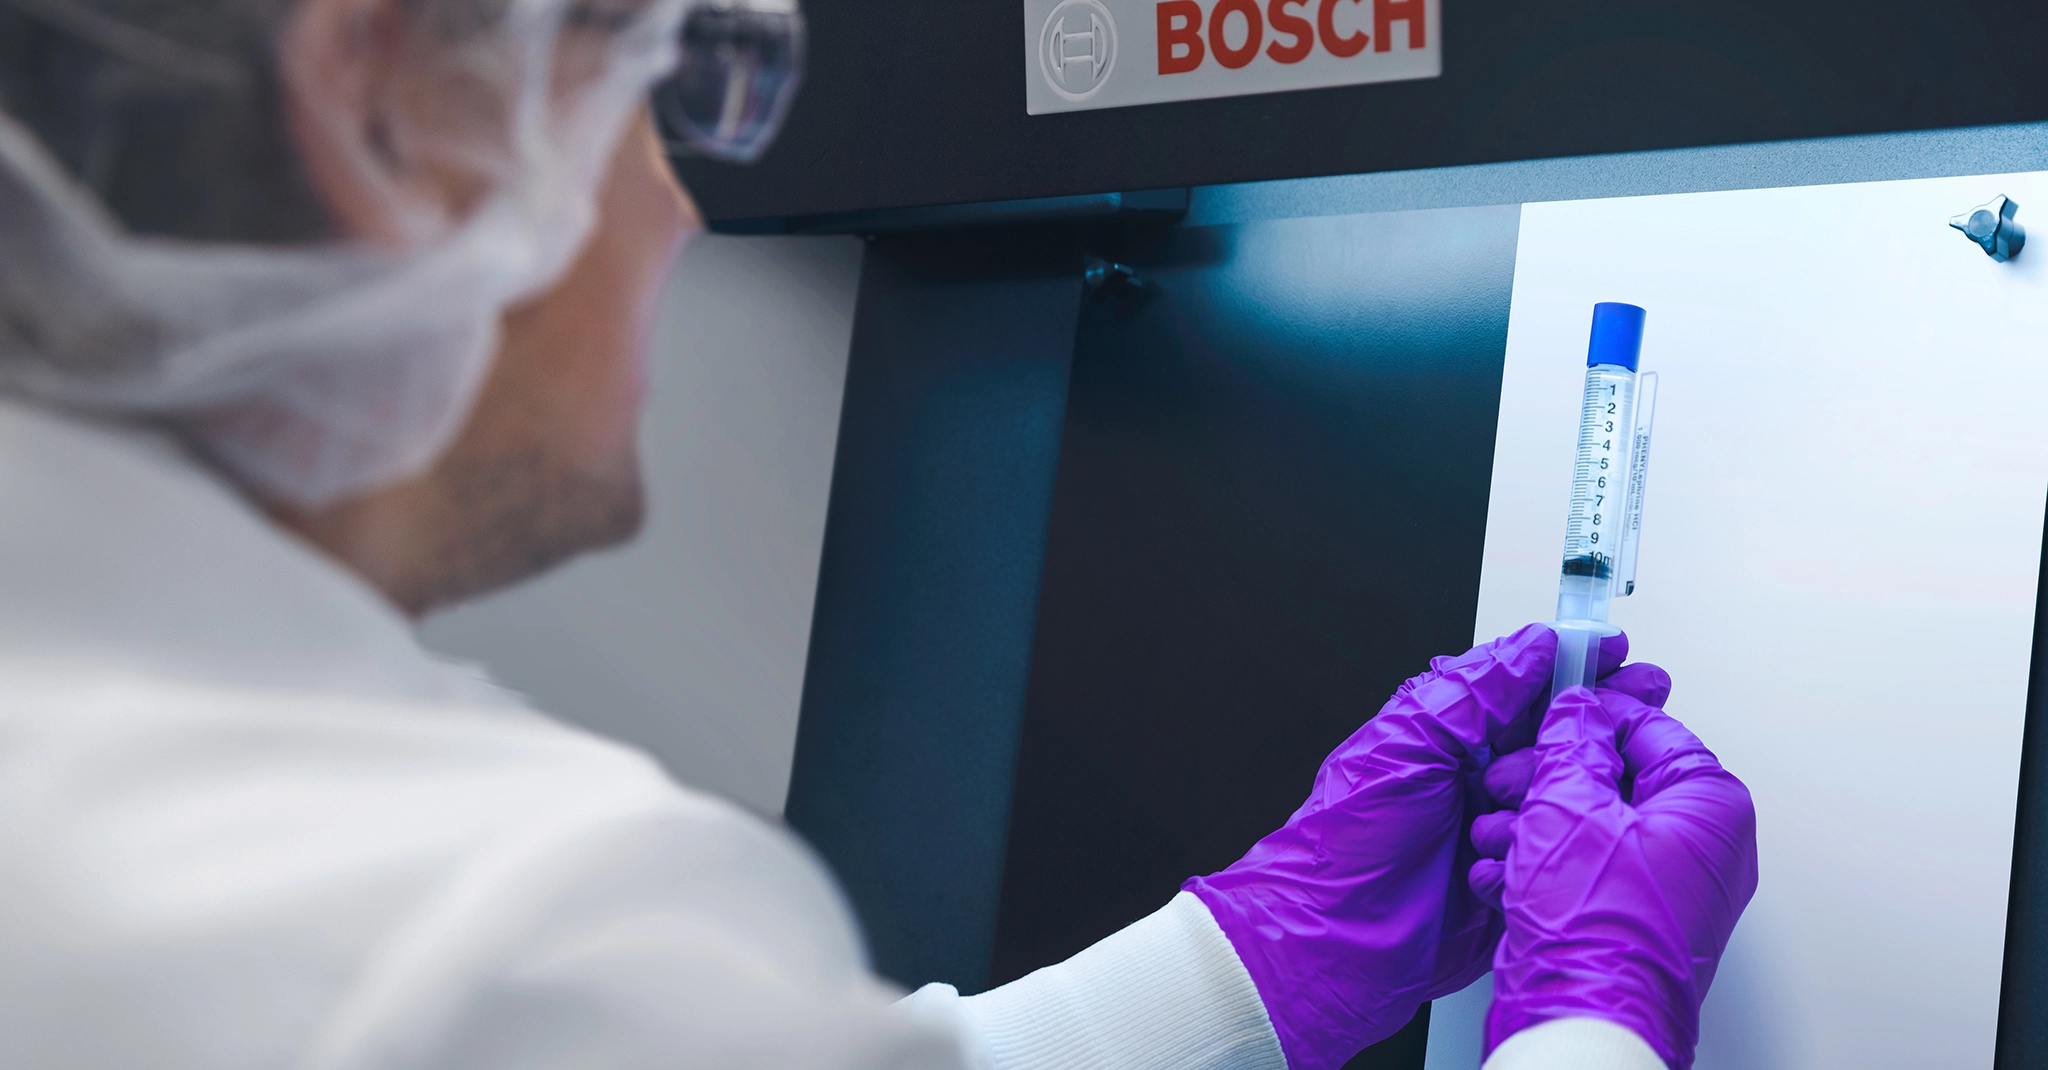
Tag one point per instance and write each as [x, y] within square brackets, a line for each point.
[162, 256]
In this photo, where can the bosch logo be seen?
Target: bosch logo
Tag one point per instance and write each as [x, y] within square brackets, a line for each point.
[1073, 50]
[1077, 48]
[1237, 28]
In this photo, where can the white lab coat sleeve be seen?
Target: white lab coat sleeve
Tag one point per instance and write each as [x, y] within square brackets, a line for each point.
[1575, 1044]
[1164, 993]
[667, 992]
[659, 933]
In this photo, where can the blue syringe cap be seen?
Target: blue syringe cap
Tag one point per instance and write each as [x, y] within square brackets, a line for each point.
[1617, 335]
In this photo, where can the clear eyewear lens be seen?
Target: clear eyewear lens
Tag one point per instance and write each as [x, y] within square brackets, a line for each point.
[738, 72]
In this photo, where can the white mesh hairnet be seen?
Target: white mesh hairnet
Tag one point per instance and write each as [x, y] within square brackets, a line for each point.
[162, 254]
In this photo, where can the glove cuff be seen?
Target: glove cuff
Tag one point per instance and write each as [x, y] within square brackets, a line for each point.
[1510, 1016]
[1579, 1043]
[1303, 995]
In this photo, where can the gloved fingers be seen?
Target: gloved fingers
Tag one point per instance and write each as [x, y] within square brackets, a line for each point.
[1646, 683]
[1492, 833]
[1477, 800]
[1613, 651]
[1657, 751]
[1488, 878]
[1466, 703]
[1650, 739]
[1578, 762]
[1480, 652]
[1507, 778]
[1491, 696]
[1520, 732]
[1525, 645]
[1472, 931]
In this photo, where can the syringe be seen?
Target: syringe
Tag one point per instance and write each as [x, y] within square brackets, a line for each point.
[1608, 476]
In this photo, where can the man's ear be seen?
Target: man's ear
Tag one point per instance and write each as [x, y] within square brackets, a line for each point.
[341, 70]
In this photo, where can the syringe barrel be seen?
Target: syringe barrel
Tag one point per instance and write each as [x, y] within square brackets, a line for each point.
[1584, 597]
[1578, 654]
[1595, 521]
[1600, 485]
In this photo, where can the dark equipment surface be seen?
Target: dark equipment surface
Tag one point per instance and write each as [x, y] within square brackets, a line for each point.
[1272, 459]
[1270, 511]
[2023, 995]
[921, 102]
[914, 688]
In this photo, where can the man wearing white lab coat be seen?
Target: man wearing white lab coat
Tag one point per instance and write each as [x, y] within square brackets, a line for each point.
[245, 819]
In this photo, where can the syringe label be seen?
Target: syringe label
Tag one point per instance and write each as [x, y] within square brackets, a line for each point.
[1638, 468]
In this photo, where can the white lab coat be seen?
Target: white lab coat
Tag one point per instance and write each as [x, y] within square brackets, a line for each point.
[247, 822]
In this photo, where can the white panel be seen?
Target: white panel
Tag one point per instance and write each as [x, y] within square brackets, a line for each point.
[691, 641]
[1839, 565]
[1456, 1023]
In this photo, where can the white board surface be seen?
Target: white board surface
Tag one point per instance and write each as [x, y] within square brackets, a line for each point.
[1839, 562]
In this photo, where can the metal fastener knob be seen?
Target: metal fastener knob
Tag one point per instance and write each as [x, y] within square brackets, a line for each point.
[1991, 225]
[1103, 279]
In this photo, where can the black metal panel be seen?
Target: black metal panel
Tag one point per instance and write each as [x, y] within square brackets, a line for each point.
[921, 102]
[2023, 999]
[1271, 509]
[914, 688]
[1142, 207]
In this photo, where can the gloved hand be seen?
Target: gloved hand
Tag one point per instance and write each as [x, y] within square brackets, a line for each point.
[1622, 876]
[1357, 910]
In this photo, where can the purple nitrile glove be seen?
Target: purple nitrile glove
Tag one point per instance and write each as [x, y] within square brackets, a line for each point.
[1357, 910]
[1632, 857]
[1507, 777]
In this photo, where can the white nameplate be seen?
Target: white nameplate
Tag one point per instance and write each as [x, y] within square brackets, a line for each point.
[1086, 54]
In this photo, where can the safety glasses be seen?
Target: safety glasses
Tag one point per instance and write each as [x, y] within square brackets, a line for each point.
[740, 65]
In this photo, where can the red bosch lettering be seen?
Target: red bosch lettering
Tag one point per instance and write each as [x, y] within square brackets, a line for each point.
[1189, 34]
[1254, 33]
[1285, 22]
[1385, 13]
[1180, 27]
[1326, 24]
